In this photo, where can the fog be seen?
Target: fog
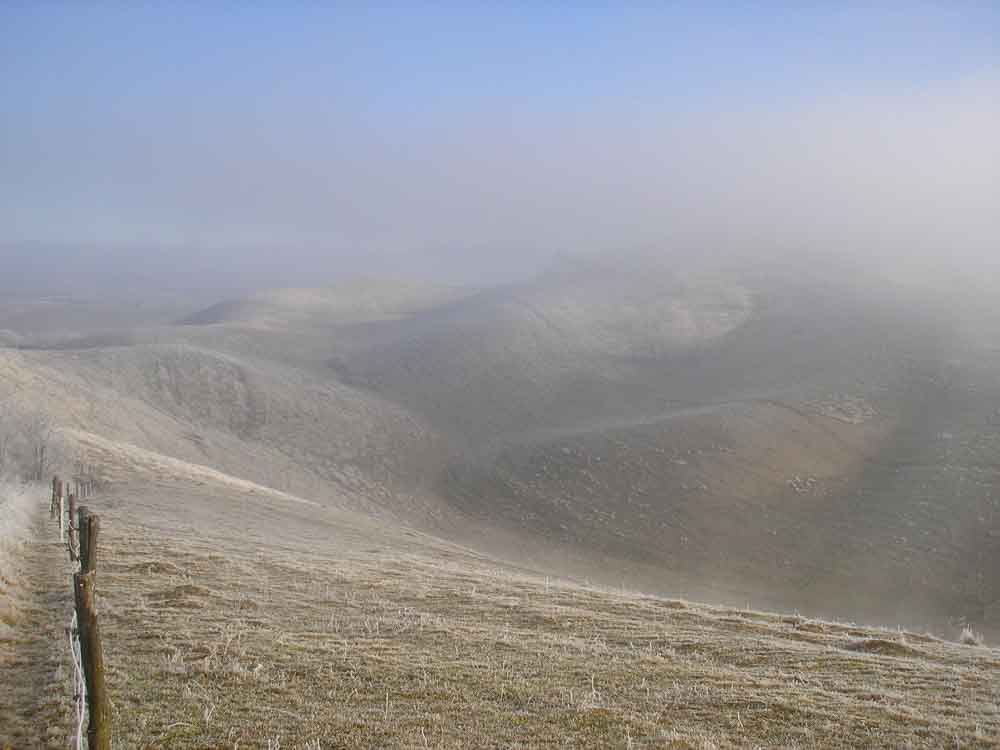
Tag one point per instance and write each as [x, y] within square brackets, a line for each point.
[222, 166]
[440, 370]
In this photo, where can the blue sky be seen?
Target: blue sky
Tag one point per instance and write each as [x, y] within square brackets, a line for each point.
[434, 60]
[365, 131]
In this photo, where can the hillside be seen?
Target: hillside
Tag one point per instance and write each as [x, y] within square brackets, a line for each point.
[232, 615]
[349, 302]
[795, 438]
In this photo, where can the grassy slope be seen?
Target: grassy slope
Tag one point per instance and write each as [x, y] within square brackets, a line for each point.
[266, 422]
[236, 620]
[714, 497]
[35, 609]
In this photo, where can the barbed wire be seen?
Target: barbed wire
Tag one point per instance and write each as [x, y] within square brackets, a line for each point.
[73, 545]
[79, 683]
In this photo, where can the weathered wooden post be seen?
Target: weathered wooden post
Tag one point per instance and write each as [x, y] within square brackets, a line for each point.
[54, 502]
[72, 528]
[89, 525]
[92, 655]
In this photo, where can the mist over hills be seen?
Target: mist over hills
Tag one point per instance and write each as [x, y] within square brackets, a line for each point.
[501, 375]
[793, 436]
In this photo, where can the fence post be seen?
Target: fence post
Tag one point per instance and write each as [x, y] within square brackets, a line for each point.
[92, 655]
[72, 528]
[53, 502]
[89, 525]
[62, 520]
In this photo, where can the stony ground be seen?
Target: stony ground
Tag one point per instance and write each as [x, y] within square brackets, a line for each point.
[236, 619]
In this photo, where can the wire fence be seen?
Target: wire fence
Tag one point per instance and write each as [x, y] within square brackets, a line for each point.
[79, 683]
[89, 694]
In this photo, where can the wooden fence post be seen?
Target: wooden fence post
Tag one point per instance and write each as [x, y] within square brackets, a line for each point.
[54, 502]
[92, 655]
[89, 526]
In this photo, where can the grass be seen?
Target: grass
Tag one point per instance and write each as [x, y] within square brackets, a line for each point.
[230, 622]
[35, 608]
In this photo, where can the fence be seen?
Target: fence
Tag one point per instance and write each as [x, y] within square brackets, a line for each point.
[79, 529]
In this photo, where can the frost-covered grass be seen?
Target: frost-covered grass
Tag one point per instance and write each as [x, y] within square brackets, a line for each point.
[35, 606]
[17, 503]
[233, 620]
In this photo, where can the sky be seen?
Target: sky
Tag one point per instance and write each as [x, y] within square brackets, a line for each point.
[296, 141]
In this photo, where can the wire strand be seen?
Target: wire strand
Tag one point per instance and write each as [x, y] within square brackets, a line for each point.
[79, 683]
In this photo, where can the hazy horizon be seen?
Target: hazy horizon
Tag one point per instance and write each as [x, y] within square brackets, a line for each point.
[263, 145]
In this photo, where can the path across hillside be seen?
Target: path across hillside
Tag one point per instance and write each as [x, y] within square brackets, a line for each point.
[35, 610]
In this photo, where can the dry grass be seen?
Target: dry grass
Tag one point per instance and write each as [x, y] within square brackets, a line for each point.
[17, 503]
[34, 610]
[232, 621]
[15, 533]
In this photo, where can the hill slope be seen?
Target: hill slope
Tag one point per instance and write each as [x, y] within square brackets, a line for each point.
[231, 615]
[804, 439]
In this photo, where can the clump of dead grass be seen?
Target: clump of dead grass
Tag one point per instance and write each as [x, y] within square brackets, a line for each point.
[970, 637]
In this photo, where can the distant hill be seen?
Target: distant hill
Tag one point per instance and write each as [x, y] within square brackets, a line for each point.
[342, 303]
